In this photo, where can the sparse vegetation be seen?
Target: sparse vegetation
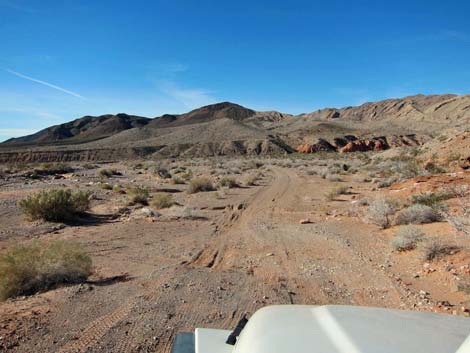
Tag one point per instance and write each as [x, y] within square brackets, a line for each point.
[336, 191]
[434, 249]
[118, 189]
[251, 179]
[162, 200]
[177, 180]
[431, 199]
[228, 182]
[163, 173]
[417, 214]
[27, 269]
[380, 211]
[406, 238]
[139, 195]
[106, 186]
[200, 185]
[55, 205]
[108, 173]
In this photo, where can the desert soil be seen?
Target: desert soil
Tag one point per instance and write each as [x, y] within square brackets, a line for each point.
[158, 275]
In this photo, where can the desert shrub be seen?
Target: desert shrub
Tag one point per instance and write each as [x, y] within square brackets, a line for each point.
[417, 214]
[89, 166]
[406, 238]
[139, 195]
[162, 200]
[434, 249]
[251, 179]
[177, 180]
[187, 176]
[380, 211]
[163, 173]
[108, 173]
[55, 205]
[200, 185]
[106, 186]
[118, 189]
[385, 183]
[228, 182]
[431, 199]
[332, 177]
[26, 269]
[54, 168]
[335, 192]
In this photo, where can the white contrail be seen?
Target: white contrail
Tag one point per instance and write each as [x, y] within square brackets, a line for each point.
[44, 83]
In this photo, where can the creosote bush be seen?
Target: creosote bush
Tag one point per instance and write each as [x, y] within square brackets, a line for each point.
[27, 269]
[417, 214]
[55, 205]
[406, 238]
[139, 195]
[380, 211]
[162, 200]
[108, 173]
[200, 185]
[228, 182]
[431, 199]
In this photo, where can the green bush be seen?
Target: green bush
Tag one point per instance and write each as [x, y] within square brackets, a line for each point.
[162, 200]
[55, 205]
[27, 269]
[139, 195]
[431, 199]
[200, 185]
[228, 182]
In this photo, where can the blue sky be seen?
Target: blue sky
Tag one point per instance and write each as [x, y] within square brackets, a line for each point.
[60, 60]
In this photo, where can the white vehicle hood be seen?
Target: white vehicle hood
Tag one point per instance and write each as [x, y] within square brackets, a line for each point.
[348, 329]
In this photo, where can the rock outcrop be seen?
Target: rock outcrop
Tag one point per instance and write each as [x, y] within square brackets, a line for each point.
[320, 146]
[351, 143]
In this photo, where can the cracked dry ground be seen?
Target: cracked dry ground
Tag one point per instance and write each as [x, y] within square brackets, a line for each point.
[209, 272]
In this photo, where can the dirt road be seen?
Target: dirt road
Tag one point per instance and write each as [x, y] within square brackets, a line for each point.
[208, 272]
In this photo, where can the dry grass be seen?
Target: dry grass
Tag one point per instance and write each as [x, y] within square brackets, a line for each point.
[417, 214]
[55, 205]
[336, 191]
[228, 182]
[251, 179]
[27, 269]
[435, 249]
[406, 238]
[380, 211]
[139, 195]
[108, 173]
[200, 185]
[162, 200]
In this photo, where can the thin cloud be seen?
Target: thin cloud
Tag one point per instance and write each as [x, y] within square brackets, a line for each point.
[44, 83]
[190, 98]
[8, 132]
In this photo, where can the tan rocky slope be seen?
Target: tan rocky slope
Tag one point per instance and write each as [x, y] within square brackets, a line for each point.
[230, 129]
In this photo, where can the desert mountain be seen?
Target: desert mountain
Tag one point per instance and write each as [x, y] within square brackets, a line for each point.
[227, 128]
[86, 128]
